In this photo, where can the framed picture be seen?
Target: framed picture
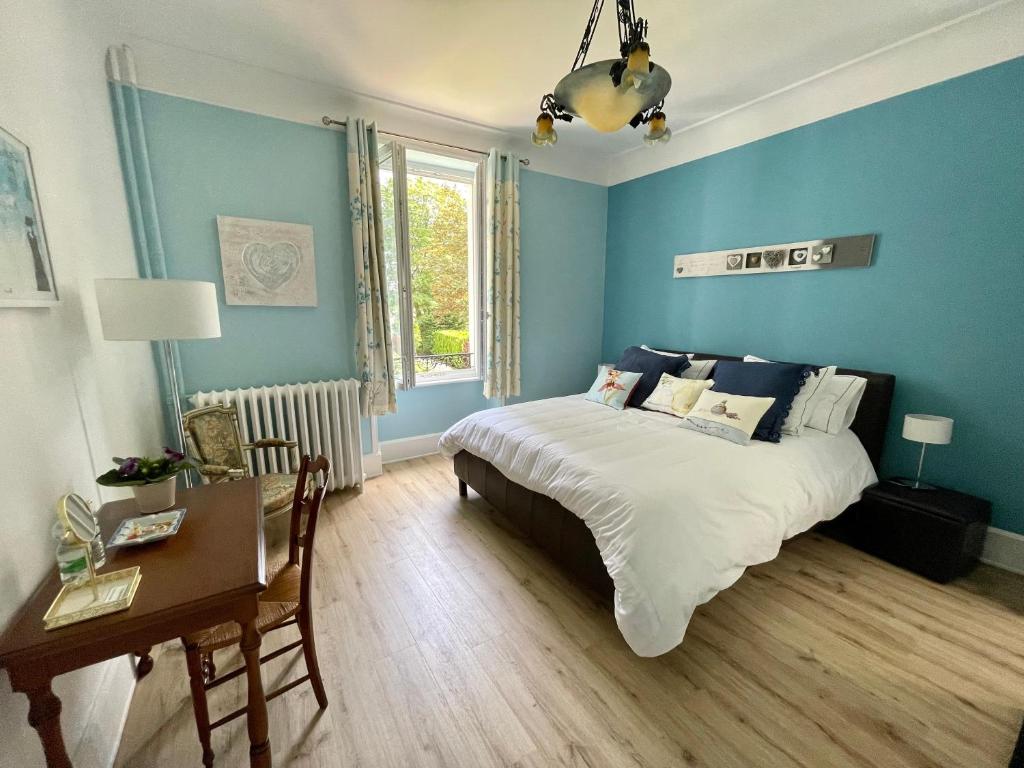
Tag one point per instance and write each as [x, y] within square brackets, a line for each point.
[270, 263]
[26, 275]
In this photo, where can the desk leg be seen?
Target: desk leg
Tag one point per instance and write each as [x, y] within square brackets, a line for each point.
[143, 664]
[200, 706]
[259, 740]
[44, 715]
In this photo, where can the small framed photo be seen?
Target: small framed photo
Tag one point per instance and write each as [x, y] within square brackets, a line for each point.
[26, 274]
[754, 260]
[798, 256]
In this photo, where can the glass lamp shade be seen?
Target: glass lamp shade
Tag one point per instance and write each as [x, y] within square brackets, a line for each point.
[657, 131]
[589, 93]
[638, 65]
[545, 135]
[134, 309]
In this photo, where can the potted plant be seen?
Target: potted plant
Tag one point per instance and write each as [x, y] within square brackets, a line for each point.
[151, 480]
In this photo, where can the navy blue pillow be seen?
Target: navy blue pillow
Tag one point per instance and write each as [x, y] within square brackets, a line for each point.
[651, 365]
[779, 380]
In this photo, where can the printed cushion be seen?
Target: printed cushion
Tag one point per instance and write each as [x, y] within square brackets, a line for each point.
[277, 490]
[676, 396]
[731, 417]
[651, 365]
[613, 387]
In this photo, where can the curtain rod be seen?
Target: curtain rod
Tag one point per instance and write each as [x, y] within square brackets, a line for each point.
[330, 121]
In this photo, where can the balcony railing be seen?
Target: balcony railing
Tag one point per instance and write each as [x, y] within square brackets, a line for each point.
[455, 361]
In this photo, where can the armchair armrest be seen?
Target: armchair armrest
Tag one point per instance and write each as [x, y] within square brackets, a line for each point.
[276, 442]
[270, 442]
[219, 470]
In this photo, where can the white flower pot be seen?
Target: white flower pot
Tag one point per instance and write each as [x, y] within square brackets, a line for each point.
[155, 497]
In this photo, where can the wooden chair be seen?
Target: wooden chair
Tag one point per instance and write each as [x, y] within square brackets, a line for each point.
[213, 437]
[285, 602]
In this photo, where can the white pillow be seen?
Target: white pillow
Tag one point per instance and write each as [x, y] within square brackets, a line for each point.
[689, 355]
[698, 369]
[731, 417]
[811, 394]
[674, 395]
[837, 406]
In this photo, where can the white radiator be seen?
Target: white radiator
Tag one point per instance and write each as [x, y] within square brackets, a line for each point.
[323, 417]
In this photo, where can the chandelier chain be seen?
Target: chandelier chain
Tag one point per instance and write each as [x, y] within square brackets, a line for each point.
[632, 29]
[588, 35]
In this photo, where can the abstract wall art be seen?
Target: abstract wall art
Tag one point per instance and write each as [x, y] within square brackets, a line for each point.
[26, 275]
[270, 263]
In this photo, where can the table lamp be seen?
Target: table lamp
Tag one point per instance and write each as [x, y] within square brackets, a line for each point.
[926, 430]
[137, 309]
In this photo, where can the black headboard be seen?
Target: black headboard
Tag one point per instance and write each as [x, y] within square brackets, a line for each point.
[872, 419]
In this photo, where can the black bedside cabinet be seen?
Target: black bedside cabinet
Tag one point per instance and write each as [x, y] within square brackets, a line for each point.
[936, 533]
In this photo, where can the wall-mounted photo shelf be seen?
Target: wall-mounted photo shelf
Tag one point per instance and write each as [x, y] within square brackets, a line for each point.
[803, 256]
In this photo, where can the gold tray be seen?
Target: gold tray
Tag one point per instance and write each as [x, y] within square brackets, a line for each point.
[75, 603]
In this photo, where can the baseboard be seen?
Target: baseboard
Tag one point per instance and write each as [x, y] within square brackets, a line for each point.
[409, 447]
[110, 702]
[123, 721]
[1004, 549]
[372, 465]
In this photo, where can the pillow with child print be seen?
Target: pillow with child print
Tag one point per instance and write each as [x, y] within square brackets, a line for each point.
[612, 387]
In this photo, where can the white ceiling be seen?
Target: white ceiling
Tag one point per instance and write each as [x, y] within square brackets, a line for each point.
[488, 62]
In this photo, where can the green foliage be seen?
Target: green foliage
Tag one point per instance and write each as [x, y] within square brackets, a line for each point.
[451, 342]
[439, 250]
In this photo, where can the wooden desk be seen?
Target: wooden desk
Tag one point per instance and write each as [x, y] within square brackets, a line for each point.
[211, 572]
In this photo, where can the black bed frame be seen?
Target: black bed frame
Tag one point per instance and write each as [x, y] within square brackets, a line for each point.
[566, 538]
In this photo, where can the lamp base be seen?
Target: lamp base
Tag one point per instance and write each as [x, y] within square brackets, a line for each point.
[909, 482]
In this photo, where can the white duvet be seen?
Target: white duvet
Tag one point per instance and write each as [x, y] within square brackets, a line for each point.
[677, 515]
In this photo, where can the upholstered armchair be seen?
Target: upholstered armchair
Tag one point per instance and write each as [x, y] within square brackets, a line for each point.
[215, 443]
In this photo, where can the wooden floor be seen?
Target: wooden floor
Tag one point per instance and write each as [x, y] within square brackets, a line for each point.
[446, 641]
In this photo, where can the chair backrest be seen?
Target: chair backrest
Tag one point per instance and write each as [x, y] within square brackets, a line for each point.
[306, 503]
[213, 436]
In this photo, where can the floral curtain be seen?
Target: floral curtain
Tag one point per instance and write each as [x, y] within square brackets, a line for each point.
[373, 335]
[501, 334]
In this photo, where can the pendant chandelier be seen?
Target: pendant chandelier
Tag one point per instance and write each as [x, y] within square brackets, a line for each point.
[612, 93]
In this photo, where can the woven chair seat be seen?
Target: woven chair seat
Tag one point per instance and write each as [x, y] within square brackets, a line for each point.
[278, 603]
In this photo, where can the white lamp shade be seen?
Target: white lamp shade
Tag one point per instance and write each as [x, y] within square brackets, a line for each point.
[135, 309]
[921, 428]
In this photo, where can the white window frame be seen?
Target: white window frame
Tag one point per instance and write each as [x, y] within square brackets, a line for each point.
[400, 170]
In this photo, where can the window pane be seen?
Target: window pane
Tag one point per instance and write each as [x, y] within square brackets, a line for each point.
[387, 195]
[440, 208]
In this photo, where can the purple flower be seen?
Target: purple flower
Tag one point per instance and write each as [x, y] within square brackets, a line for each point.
[173, 455]
[129, 467]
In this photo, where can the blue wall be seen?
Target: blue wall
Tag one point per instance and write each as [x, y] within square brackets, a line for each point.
[938, 175]
[208, 160]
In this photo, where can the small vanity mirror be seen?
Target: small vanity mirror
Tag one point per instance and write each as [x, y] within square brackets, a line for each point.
[75, 515]
[98, 594]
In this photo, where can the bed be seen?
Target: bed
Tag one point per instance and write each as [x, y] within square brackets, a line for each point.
[660, 517]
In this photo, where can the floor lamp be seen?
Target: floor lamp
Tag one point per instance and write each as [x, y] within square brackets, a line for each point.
[136, 309]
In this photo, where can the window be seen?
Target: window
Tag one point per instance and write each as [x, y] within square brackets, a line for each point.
[432, 248]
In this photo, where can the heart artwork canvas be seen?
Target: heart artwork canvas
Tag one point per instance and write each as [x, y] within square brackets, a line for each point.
[267, 262]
